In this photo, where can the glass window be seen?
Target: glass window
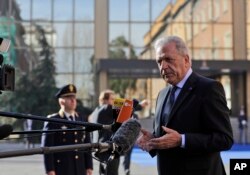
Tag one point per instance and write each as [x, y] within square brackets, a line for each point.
[63, 10]
[216, 10]
[138, 52]
[143, 13]
[118, 30]
[62, 79]
[227, 11]
[202, 53]
[137, 33]
[84, 10]
[199, 41]
[83, 59]
[119, 52]
[157, 7]
[224, 33]
[39, 12]
[63, 60]
[118, 10]
[63, 34]
[25, 9]
[84, 84]
[84, 34]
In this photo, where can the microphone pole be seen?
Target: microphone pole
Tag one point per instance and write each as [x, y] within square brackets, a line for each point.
[88, 126]
[46, 131]
[102, 147]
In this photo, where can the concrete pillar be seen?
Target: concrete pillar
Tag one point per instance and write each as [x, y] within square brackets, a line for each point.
[239, 30]
[101, 41]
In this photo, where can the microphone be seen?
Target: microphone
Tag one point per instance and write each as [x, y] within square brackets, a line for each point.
[5, 131]
[122, 141]
[126, 135]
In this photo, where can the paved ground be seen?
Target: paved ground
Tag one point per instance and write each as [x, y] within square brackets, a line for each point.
[142, 163]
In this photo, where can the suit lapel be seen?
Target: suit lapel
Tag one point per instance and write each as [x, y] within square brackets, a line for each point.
[185, 92]
[159, 108]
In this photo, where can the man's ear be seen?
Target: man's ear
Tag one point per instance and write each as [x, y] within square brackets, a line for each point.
[187, 60]
[61, 101]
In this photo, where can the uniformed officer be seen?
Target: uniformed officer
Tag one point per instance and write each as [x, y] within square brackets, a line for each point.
[68, 162]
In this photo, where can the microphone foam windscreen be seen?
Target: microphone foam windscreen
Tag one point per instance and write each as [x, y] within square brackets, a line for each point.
[127, 134]
[5, 131]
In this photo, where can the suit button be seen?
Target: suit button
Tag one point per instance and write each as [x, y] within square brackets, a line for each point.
[58, 161]
[75, 133]
[64, 132]
[76, 140]
[76, 157]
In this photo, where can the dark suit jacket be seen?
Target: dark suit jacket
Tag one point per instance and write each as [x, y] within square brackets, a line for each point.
[200, 112]
[68, 162]
[105, 116]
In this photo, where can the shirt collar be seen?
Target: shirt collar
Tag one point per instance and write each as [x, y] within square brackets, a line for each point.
[68, 114]
[183, 81]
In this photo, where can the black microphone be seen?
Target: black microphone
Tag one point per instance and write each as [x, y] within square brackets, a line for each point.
[5, 131]
[126, 135]
[122, 141]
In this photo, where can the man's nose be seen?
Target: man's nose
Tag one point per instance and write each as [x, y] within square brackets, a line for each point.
[164, 64]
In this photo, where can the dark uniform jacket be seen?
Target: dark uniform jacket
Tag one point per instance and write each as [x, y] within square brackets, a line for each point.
[70, 162]
[200, 112]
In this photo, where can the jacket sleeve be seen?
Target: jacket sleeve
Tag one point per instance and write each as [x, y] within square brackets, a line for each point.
[87, 155]
[48, 140]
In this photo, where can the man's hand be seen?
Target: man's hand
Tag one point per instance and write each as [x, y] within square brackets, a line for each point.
[170, 140]
[143, 140]
[89, 172]
[51, 173]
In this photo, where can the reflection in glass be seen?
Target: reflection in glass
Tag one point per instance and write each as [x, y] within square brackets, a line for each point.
[143, 13]
[84, 10]
[119, 52]
[62, 79]
[63, 10]
[116, 30]
[137, 33]
[84, 34]
[82, 61]
[63, 34]
[157, 7]
[42, 10]
[118, 10]
[24, 6]
[85, 85]
[63, 60]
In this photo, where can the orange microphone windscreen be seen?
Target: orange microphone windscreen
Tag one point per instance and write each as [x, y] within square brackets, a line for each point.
[125, 111]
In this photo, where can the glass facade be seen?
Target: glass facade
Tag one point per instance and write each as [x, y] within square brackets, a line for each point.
[69, 27]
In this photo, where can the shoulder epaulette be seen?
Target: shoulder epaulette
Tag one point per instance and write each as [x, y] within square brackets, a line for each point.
[52, 115]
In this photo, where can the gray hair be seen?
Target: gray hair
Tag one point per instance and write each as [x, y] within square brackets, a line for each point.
[180, 45]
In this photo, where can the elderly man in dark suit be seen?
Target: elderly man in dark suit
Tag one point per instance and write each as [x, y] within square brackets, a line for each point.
[192, 121]
[75, 162]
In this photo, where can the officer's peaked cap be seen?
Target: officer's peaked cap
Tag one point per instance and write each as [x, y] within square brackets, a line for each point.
[66, 90]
